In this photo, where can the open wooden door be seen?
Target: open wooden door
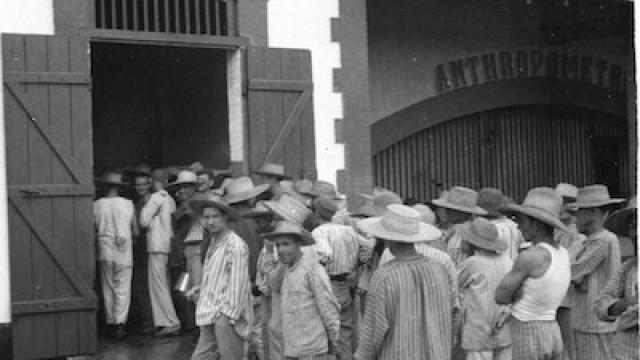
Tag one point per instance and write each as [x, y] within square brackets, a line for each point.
[280, 110]
[49, 175]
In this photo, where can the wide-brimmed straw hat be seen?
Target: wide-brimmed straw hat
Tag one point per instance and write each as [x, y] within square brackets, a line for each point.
[618, 220]
[290, 188]
[462, 199]
[111, 178]
[288, 208]
[185, 177]
[241, 189]
[325, 206]
[259, 210]
[594, 196]
[491, 200]
[483, 234]
[275, 170]
[567, 190]
[378, 205]
[213, 201]
[139, 170]
[324, 188]
[291, 229]
[427, 215]
[541, 203]
[376, 190]
[401, 223]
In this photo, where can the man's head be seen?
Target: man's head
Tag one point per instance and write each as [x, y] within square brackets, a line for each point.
[590, 218]
[159, 179]
[453, 217]
[532, 229]
[592, 205]
[185, 191]
[205, 180]
[289, 248]
[142, 185]
[214, 219]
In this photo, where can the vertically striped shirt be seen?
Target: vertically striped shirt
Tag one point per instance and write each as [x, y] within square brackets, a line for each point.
[595, 264]
[623, 284]
[339, 247]
[454, 245]
[225, 288]
[408, 312]
[478, 277]
[509, 233]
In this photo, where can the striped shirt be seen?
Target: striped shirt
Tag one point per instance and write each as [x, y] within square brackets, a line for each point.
[623, 284]
[478, 277]
[408, 312]
[340, 248]
[454, 245]
[196, 232]
[509, 233]
[594, 265]
[225, 288]
[310, 311]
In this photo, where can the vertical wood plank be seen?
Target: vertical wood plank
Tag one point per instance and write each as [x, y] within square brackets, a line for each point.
[197, 17]
[156, 15]
[217, 17]
[207, 17]
[273, 103]
[290, 70]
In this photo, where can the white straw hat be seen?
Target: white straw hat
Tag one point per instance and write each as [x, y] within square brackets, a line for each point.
[462, 199]
[593, 196]
[401, 223]
[288, 208]
[242, 188]
[543, 204]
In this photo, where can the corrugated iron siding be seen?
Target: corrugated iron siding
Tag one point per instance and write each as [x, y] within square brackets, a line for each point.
[514, 149]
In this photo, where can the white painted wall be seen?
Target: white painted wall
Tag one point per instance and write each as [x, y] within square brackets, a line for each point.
[23, 17]
[306, 24]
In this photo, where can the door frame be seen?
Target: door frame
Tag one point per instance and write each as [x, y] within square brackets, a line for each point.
[235, 48]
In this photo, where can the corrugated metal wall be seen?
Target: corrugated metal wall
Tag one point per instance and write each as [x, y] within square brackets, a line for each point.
[514, 149]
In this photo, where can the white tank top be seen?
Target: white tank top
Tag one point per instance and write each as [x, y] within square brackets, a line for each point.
[543, 295]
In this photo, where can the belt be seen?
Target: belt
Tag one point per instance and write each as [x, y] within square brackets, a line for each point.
[192, 242]
[339, 277]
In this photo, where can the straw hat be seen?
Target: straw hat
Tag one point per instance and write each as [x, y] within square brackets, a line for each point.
[259, 210]
[325, 206]
[139, 170]
[241, 189]
[427, 215]
[288, 208]
[567, 190]
[483, 234]
[491, 200]
[378, 205]
[111, 178]
[275, 170]
[376, 191]
[594, 196]
[618, 220]
[291, 229]
[185, 177]
[541, 203]
[462, 199]
[213, 201]
[402, 224]
[290, 188]
[324, 188]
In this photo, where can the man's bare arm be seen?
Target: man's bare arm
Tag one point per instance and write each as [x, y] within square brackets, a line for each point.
[526, 262]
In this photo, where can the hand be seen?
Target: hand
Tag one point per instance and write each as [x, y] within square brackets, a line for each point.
[121, 242]
[193, 294]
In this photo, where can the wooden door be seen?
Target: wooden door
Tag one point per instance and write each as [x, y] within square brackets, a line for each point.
[49, 175]
[280, 110]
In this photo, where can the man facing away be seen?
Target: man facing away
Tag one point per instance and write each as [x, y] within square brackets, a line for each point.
[538, 280]
[340, 249]
[115, 224]
[595, 264]
[310, 318]
[156, 217]
[478, 278]
[410, 300]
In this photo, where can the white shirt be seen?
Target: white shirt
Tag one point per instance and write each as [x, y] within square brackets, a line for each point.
[156, 216]
[114, 218]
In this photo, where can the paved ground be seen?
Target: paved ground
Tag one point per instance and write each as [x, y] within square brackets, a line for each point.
[137, 347]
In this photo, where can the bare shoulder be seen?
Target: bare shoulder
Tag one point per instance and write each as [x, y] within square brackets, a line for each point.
[533, 261]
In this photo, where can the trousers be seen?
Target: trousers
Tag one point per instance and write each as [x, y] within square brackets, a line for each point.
[593, 345]
[164, 314]
[503, 353]
[342, 291]
[220, 335]
[116, 291]
[536, 340]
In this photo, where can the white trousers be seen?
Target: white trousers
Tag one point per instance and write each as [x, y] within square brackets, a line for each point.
[164, 314]
[116, 290]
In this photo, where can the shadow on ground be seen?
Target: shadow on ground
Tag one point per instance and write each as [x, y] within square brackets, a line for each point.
[137, 347]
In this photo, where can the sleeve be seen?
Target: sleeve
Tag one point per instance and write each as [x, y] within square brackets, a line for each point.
[266, 266]
[365, 250]
[322, 246]
[239, 283]
[590, 257]
[327, 304]
[375, 323]
[465, 274]
[149, 210]
[610, 294]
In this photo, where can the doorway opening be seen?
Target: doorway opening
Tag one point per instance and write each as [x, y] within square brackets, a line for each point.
[161, 105]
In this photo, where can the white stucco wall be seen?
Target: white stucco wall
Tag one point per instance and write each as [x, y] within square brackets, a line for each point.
[23, 17]
[306, 24]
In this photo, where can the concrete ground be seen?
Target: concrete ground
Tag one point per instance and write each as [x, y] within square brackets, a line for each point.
[138, 347]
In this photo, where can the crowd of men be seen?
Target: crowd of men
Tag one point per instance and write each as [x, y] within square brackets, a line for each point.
[280, 269]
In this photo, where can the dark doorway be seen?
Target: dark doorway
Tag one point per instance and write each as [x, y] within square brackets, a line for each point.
[606, 154]
[159, 104]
